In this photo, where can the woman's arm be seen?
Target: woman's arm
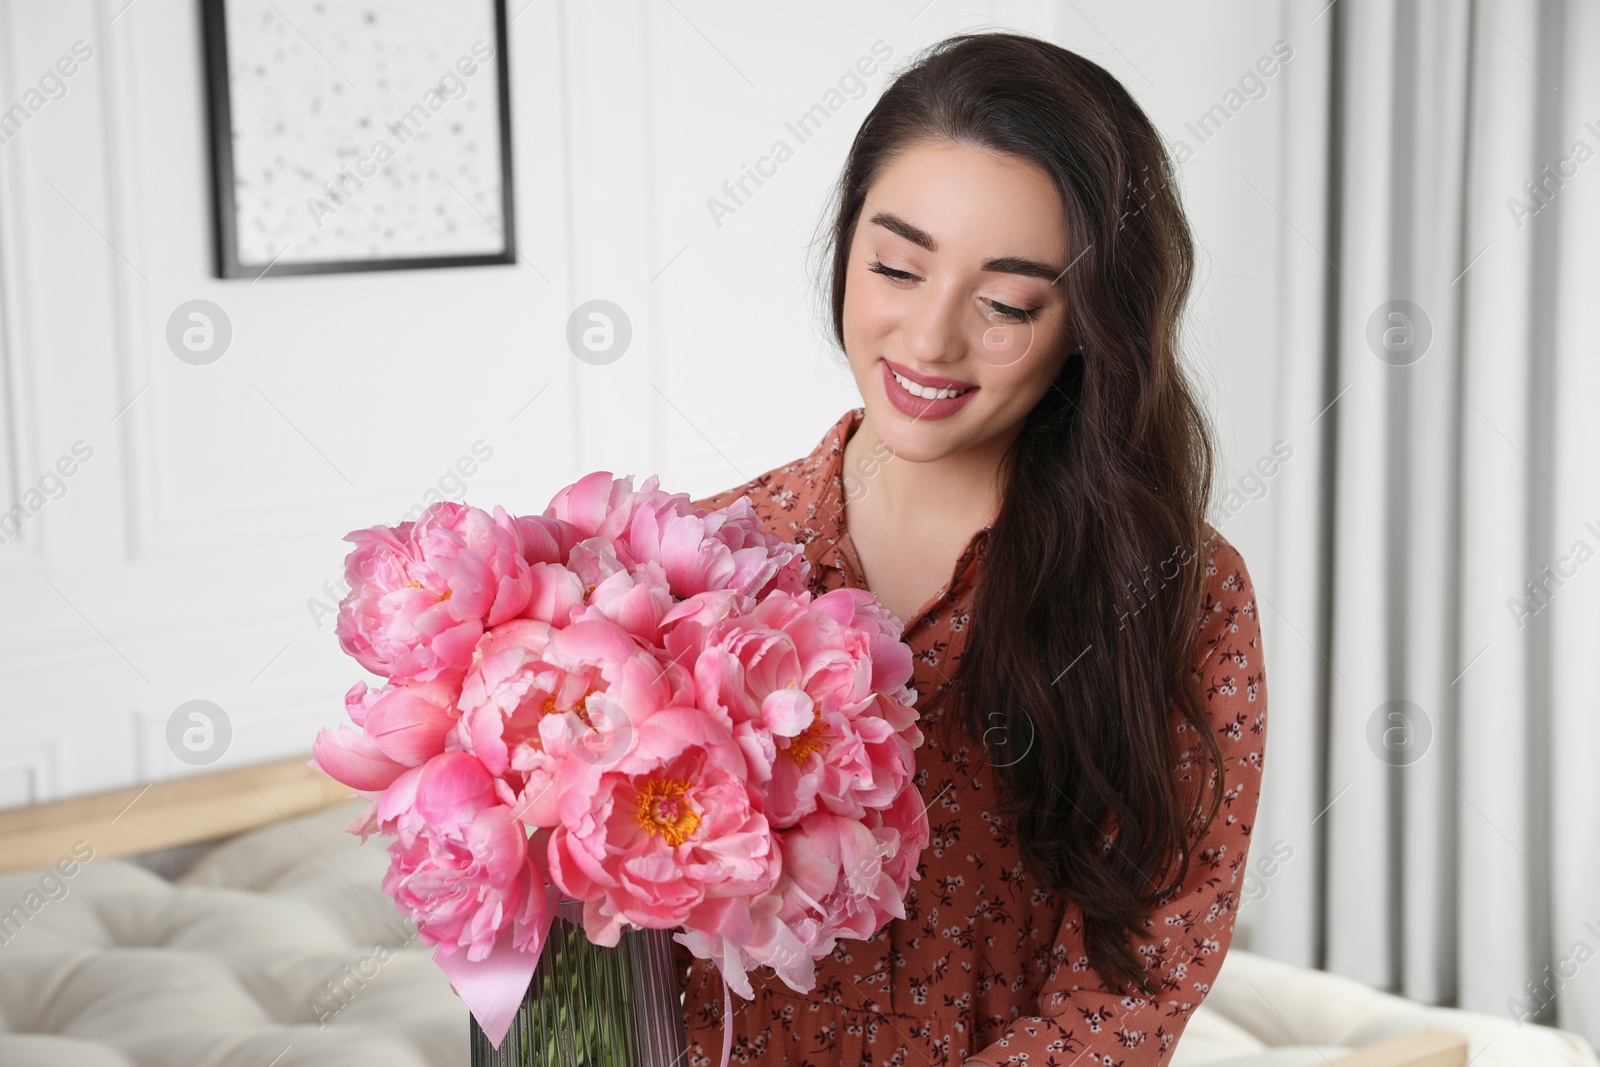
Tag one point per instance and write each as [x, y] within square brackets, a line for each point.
[1189, 931]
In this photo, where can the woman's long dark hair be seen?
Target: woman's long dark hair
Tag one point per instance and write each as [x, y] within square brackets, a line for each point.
[1076, 674]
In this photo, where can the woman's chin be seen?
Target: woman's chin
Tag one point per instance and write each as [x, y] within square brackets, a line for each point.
[910, 438]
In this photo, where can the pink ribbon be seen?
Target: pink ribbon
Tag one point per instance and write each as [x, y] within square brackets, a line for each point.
[493, 987]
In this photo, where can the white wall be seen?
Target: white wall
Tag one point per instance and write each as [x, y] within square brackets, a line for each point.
[180, 561]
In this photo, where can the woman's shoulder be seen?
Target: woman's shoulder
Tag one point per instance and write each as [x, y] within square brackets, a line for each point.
[1231, 680]
[1227, 661]
[755, 489]
[1228, 604]
[782, 503]
[786, 496]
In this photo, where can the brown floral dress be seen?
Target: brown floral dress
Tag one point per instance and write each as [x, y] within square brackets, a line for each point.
[989, 966]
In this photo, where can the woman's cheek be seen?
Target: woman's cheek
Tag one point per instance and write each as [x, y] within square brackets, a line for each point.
[1029, 377]
[875, 309]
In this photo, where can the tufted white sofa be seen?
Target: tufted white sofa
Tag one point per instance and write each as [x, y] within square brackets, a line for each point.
[1314, 1017]
[278, 950]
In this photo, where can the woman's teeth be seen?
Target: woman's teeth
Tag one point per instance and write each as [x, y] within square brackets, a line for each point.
[926, 392]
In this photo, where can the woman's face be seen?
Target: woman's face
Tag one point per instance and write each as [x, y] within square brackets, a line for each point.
[954, 281]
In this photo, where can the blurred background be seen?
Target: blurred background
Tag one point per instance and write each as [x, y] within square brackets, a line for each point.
[212, 371]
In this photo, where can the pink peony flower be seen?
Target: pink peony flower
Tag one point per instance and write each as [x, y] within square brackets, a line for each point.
[464, 871]
[838, 880]
[668, 833]
[821, 734]
[422, 593]
[770, 942]
[636, 600]
[891, 657]
[578, 698]
[595, 505]
[593, 583]
[723, 549]
[840, 877]
[764, 562]
[507, 689]
[526, 670]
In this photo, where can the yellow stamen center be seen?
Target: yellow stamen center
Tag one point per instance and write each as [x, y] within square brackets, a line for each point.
[807, 741]
[664, 810]
[583, 711]
[414, 584]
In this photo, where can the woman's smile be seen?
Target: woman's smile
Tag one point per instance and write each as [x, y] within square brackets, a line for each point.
[924, 396]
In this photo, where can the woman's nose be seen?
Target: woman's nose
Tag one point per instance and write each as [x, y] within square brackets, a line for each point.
[936, 327]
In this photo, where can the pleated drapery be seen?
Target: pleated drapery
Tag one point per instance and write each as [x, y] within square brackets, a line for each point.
[1434, 772]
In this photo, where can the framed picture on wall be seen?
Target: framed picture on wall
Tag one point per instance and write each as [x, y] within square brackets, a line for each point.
[371, 136]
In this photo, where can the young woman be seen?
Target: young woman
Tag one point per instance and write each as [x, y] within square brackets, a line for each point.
[1025, 487]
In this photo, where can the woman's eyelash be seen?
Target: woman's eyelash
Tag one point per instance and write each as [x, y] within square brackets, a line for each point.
[1012, 314]
[1005, 311]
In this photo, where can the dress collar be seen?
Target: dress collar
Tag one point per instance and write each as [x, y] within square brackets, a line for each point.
[822, 480]
[828, 544]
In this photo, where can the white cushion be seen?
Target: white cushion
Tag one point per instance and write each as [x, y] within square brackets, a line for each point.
[221, 968]
[1265, 1013]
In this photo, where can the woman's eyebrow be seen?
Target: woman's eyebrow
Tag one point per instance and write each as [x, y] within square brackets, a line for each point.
[1004, 265]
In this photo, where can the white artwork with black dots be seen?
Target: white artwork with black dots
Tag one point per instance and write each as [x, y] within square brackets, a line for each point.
[364, 131]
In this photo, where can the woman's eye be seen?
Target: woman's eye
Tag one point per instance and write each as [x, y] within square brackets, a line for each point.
[891, 273]
[1011, 314]
[1001, 311]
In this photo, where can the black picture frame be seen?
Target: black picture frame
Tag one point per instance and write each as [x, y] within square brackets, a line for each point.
[223, 201]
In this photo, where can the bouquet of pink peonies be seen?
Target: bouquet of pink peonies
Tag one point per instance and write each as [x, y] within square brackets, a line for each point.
[634, 704]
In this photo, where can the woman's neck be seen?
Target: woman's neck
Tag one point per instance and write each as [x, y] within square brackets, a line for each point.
[959, 490]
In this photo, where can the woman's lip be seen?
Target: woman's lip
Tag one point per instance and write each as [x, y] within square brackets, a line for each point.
[932, 381]
[918, 408]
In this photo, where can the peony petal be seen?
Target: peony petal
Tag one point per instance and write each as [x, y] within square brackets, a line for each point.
[498, 842]
[408, 728]
[353, 758]
[788, 712]
[452, 788]
[556, 594]
[544, 540]
[594, 641]
[585, 503]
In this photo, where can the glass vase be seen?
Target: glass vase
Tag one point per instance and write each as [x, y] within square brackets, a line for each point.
[592, 1006]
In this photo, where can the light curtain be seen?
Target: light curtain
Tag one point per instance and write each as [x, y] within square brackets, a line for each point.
[1433, 612]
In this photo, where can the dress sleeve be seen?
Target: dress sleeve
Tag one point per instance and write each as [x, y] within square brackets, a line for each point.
[1189, 930]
